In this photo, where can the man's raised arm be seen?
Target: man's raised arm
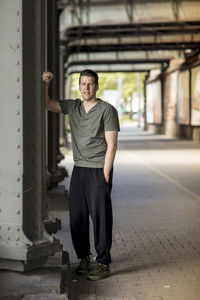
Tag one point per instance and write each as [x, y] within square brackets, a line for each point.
[52, 105]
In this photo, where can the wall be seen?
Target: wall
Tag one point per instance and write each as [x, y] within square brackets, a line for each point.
[180, 98]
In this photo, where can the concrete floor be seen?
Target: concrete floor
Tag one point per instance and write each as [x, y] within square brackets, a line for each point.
[156, 234]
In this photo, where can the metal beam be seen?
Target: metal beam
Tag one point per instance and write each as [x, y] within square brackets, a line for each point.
[113, 68]
[131, 47]
[118, 62]
[64, 3]
[56, 174]
[126, 56]
[130, 30]
[132, 26]
[108, 12]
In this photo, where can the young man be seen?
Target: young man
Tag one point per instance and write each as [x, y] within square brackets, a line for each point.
[94, 128]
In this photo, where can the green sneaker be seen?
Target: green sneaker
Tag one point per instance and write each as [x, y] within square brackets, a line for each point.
[84, 266]
[99, 272]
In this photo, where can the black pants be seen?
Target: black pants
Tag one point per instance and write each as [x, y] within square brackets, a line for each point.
[90, 195]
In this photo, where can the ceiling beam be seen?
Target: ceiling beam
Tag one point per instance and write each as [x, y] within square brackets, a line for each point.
[142, 29]
[111, 68]
[118, 62]
[130, 47]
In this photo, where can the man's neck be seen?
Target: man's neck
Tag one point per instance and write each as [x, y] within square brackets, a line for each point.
[88, 104]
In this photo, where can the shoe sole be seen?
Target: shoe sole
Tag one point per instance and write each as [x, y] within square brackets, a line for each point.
[95, 278]
[82, 272]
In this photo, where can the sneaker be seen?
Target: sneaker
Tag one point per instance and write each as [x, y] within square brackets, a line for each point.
[99, 272]
[84, 266]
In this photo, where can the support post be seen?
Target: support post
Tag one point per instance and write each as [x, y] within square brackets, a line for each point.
[54, 154]
[24, 242]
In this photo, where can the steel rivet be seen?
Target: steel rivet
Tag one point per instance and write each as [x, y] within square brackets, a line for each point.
[18, 96]
[18, 113]
[18, 212]
[18, 146]
[8, 238]
[18, 195]
[18, 129]
[17, 238]
[18, 13]
[18, 29]
[19, 163]
[18, 179]
[0, 210]
[8, 227]
[18, 229]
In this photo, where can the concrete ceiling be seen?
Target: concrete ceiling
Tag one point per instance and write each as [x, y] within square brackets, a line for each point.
[128, 35]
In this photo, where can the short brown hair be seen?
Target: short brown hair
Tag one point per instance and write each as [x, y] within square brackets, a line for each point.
[89, 73]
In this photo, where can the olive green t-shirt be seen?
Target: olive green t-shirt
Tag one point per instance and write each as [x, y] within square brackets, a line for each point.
[88, 130]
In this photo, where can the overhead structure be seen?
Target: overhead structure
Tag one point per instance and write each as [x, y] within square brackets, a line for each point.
[127, 35]
[105, 36]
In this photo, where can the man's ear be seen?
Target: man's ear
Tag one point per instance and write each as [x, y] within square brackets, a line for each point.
[97, 87]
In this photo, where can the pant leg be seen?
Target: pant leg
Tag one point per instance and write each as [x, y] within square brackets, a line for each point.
[79, 214]
[100, 208]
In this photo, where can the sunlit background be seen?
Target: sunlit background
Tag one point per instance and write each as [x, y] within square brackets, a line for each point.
[124, 90]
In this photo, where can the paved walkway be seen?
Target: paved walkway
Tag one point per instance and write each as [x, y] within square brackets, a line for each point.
[156, 236]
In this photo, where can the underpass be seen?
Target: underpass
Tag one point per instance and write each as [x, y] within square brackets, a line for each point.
[156, 203]
[156, 189]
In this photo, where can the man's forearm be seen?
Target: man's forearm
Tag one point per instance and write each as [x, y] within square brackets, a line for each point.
[52, 105]
[109, 160]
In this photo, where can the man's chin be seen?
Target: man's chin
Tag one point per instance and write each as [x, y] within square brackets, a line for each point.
[87, 98]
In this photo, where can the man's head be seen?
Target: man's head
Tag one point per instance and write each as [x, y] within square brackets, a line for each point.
[89, 73]
[88, 84]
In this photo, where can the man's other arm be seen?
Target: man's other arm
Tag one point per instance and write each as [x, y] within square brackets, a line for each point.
[52, 105]
[111, 140]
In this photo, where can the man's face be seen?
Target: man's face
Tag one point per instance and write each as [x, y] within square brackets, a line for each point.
[88, 88]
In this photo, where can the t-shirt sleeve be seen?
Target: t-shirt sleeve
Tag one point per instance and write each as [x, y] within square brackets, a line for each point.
[111, 120]
[66, 105]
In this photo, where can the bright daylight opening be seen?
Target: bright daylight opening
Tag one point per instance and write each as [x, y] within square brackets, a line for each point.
[125, 91]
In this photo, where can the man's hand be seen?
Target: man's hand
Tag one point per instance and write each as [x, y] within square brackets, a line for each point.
[47, 77]
[106, 177]
[52, 105]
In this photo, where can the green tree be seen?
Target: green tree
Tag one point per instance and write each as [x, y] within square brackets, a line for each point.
[108, 81]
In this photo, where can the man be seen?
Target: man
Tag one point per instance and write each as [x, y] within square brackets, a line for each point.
[94, 128]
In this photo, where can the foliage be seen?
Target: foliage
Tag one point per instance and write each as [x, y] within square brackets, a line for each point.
[109, 81]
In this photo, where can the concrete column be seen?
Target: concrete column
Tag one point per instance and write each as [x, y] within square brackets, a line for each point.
[170, 103]
[24, 243]
[54, 155]
[62, 95]
[145, 103]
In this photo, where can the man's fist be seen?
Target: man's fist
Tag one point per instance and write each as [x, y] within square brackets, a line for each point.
[47, 77]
